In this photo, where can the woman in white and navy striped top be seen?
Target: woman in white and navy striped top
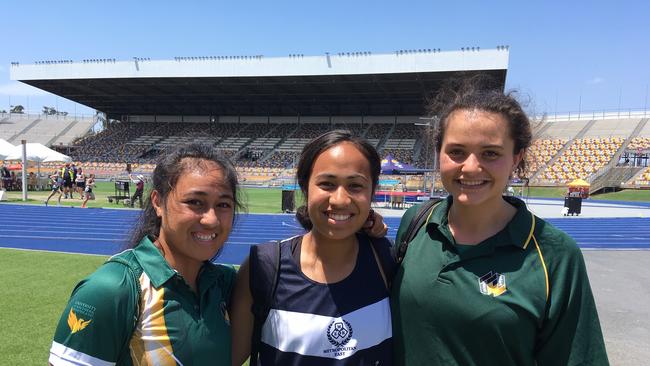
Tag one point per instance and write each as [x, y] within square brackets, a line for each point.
[330, 306]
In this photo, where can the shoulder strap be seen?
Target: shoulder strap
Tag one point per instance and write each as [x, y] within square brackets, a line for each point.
[414, 226]
[382, 248]
[264, 270]
[136, 272]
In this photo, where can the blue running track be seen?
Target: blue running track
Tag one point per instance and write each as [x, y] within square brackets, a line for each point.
[106, 231]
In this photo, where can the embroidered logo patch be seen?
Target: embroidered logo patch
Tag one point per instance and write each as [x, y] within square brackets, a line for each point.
[76, 324]
[492, 284]
[339, 333]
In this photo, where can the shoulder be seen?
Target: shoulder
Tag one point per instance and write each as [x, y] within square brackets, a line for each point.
[558, 248]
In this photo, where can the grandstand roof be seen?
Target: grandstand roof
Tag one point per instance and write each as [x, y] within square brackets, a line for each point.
[343, 84]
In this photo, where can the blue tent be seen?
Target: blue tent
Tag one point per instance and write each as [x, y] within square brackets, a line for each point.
[390, 165]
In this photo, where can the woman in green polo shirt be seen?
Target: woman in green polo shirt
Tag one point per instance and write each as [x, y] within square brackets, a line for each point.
[162, 302]
[484, 281]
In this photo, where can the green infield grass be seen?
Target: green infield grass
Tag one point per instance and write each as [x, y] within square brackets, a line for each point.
[36, 288]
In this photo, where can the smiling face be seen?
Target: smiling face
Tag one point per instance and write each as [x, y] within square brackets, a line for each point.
[476, 157]
[339, 192]
[196, 218]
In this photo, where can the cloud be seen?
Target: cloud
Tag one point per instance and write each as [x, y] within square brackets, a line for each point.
[20, 89]
[596, 80]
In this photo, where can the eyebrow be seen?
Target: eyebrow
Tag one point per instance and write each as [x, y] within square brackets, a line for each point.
[482, 146]
[353, 176]
[204, 194]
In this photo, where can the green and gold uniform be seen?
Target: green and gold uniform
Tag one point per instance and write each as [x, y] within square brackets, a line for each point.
[521, 297]
[137, 310]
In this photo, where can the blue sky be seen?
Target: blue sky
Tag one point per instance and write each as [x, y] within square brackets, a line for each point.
[564, 55]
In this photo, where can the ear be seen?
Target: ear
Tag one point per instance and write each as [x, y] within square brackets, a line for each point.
[156, 202]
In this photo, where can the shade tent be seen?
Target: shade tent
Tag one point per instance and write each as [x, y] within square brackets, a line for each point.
[5, 149]
[391, 166]
[38, 153]
[579, 183]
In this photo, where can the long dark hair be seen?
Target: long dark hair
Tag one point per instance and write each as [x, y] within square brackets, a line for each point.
[168, 169]
[317, 146]
[481, 94]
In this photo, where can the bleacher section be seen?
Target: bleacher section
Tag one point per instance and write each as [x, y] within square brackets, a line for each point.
[267, 150]
[47, 130]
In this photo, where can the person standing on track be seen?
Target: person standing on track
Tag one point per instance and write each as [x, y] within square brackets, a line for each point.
[162, 302]
[331, 305]
[484, 281]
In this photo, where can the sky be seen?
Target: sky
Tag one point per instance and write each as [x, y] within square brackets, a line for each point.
[565, 56]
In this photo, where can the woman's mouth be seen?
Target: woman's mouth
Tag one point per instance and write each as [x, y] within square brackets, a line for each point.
[204, 236]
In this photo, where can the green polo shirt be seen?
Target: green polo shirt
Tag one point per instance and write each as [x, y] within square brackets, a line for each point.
[174, 326]
[521, 297]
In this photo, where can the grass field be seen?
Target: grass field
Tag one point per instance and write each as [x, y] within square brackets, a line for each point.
[36, 288]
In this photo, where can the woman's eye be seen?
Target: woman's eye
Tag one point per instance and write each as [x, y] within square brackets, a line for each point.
[325, 185]
[195, 203]
[224, 205]
[356, 186]
[491, 154]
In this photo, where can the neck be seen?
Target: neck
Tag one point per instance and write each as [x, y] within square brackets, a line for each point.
[188, 269]
[471, 225]
[325, 260]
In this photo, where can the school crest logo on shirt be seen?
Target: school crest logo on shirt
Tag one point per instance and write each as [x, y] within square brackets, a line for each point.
[76, 324]
[339, 332]
[492, 284]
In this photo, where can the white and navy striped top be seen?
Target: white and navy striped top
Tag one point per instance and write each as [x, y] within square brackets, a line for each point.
[343, 323]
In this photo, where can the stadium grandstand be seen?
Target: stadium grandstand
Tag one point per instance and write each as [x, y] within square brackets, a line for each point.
[261, 111]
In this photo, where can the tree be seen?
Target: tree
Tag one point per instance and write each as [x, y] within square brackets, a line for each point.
[18, 109]
[3, 111]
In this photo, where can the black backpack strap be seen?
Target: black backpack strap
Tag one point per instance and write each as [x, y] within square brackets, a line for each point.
[383, 248]
[414, 226]
[264, 267]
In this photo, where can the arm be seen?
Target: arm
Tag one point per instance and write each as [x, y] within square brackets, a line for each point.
[570, 333]
[97, 322]
[241, 317]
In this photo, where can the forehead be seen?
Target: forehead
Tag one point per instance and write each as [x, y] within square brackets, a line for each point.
[202, 175]
[476, 125]
[343, 158]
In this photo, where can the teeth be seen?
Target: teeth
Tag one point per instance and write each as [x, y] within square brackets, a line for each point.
[336, 217]
[471, 182]
[205, 237]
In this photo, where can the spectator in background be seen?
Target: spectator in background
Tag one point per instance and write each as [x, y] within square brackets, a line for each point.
[67, 174]
[6, 177]
[31, 182]
[139, 188]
